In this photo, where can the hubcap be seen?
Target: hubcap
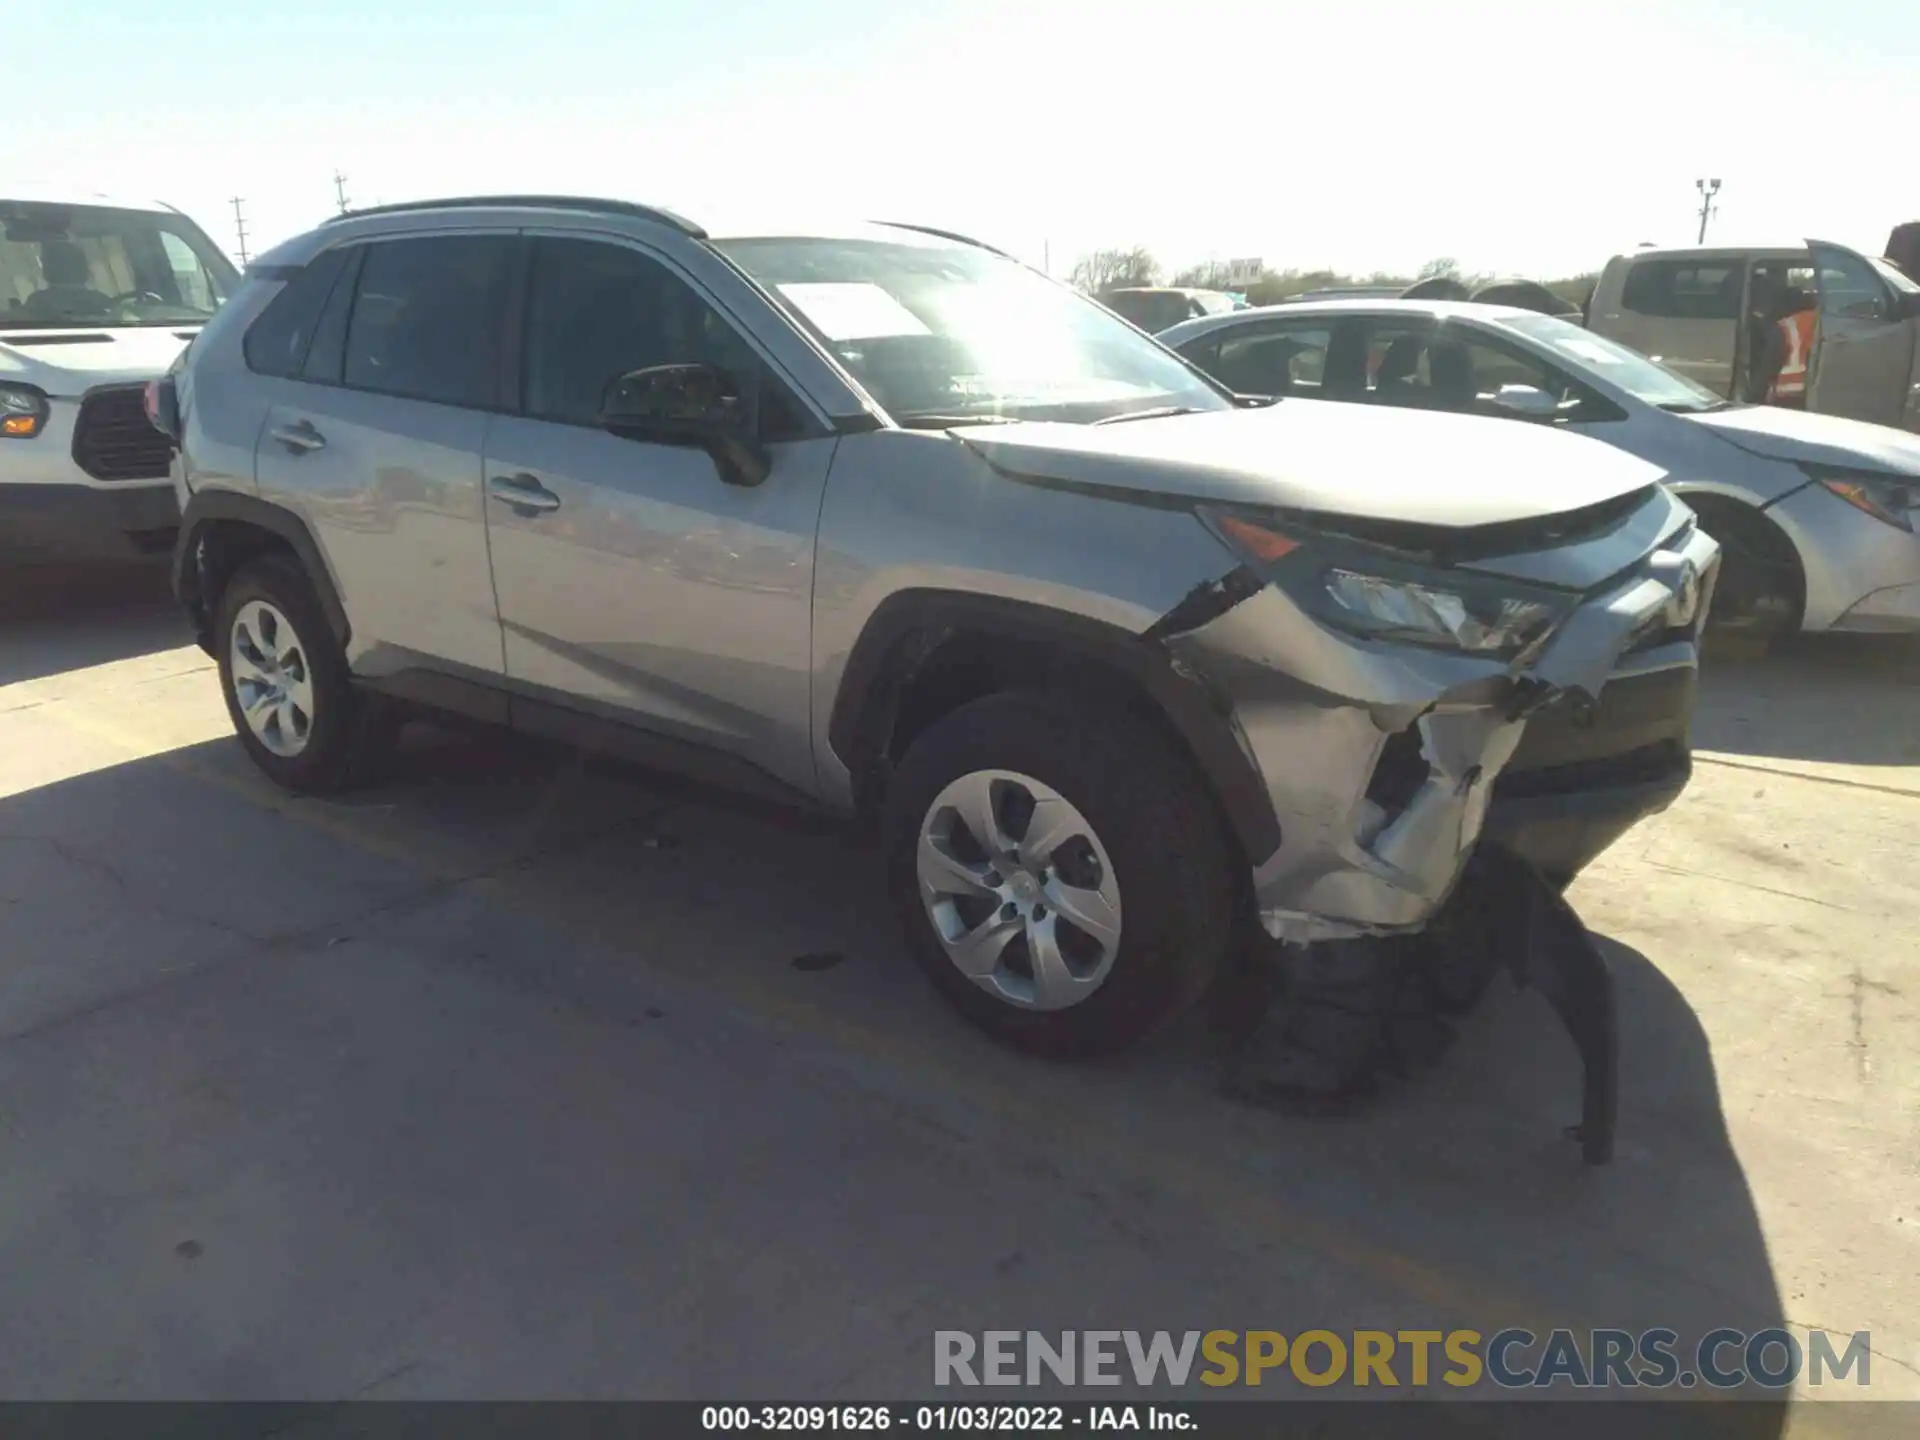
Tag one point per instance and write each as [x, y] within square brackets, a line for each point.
[1019, 889]
[271, 678]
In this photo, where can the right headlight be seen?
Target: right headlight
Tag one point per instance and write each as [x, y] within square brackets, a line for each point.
[1888, 498]
[1444, 609]
[23, 412]
[1473, 618]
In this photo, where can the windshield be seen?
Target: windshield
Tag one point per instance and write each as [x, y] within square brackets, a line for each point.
[1896, 277]
[933, 331]
[1633, 372]
[68, 265]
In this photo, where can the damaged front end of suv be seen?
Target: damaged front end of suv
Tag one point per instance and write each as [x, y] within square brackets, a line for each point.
[1384, 679]
[1382, 676]
[1458, 659]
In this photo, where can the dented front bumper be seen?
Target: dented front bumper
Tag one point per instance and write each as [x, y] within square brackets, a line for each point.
[1380, 760]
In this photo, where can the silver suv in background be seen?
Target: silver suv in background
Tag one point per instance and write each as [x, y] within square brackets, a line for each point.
[879, 520]
[97, 297]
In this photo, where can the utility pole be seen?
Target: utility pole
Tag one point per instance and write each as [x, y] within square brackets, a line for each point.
[1708, 189]
[240, 228]
[340, 190]
[1046, 256]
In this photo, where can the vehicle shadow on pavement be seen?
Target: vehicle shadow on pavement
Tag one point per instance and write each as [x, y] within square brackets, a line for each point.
[58, 618]
[1845, 699]
[528, 1075]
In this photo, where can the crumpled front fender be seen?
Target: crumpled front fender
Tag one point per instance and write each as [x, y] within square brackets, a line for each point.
[1380, 759]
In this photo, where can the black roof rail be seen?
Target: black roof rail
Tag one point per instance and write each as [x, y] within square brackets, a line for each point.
[947, 235]
[533, 202]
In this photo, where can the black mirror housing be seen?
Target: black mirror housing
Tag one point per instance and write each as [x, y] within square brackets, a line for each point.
[700, 406]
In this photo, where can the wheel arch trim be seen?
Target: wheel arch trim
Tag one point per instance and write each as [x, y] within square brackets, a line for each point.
[212, 507]
[909, 625]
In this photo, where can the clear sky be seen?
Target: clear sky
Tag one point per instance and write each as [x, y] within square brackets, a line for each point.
[1521, 137]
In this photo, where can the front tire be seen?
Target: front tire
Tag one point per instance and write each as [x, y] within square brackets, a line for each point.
[287, 686]
[1061, 871]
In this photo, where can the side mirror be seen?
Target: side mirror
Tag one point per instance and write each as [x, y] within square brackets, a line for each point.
[1528, 402]
[699, 406]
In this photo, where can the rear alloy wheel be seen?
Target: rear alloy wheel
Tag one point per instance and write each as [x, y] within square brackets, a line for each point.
[1062, 873]
[272, 680]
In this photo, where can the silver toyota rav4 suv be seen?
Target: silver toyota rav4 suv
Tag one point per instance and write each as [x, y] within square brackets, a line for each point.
[877, 518]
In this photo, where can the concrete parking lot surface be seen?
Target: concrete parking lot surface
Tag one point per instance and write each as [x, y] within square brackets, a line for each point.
[521, 1075]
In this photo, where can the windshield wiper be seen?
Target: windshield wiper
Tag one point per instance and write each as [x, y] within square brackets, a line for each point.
[1692, 407]
[950, 422]
[1158, 412]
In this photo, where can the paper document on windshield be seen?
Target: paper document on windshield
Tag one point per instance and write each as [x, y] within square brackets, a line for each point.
[853, 311]
[1588, 351]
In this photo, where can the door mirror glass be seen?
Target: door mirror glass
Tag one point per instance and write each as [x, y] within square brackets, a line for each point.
[1529, 402]
[695, 405]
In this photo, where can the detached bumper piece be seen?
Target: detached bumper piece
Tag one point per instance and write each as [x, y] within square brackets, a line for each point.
[1318, 1026]
[1535, 934]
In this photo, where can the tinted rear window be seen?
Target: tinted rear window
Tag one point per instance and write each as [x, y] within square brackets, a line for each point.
[1684, 289]
[428, 318]
[277, 341]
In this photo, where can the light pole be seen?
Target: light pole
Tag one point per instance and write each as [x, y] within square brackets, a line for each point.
[1708, 189]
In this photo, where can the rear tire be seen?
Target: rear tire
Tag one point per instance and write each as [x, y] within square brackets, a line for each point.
[1133, 818]
[287, 687]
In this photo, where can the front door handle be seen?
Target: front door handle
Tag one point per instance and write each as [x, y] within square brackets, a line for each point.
[300, 437]
[523, 492]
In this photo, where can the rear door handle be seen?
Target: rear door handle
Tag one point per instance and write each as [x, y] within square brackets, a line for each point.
[300, 437]
[523, 492]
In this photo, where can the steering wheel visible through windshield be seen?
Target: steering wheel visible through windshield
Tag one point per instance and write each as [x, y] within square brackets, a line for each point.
[1582, 350]
[941, 332]
[100, 265]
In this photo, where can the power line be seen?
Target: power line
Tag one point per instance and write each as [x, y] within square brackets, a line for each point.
[240, 227]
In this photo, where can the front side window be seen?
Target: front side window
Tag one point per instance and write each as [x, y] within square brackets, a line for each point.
[1684, 289]
[597, 311]
[1271, 360]
[428, 318]
[937, 332]
[96, 265]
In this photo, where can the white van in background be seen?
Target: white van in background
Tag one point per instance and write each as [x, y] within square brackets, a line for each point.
[97, 297]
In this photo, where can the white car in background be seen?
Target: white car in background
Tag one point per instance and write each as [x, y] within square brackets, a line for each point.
[1817, 514]
[97, 297]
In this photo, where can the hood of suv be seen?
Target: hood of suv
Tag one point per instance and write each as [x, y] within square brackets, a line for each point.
[1365, 461]
[69, 362]
[1796, 436]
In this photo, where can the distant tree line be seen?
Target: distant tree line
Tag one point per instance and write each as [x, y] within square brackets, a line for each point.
[1113, 269]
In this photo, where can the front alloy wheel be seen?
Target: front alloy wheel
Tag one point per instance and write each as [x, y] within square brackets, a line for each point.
[1020, 890]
